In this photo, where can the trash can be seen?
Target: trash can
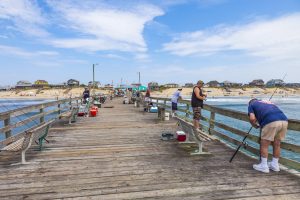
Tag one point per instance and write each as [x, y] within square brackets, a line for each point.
[161, 113]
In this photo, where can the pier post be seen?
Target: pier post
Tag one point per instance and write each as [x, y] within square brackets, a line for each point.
[187, 110]
[42, 118]
[211, 122]
[7, 123]
[59, 110]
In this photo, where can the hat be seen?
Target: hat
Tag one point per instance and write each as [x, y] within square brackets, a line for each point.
[200, 82]
[252, 100]
[180, 88]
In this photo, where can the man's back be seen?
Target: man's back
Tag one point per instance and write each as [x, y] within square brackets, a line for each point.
[266, 112]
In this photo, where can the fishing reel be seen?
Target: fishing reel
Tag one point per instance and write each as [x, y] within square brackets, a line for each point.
[245, 145]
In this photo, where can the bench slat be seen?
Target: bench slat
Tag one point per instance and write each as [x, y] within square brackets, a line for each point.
[15, 146]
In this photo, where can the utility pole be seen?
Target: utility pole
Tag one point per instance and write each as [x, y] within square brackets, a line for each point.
[139, 78]
[94, 75]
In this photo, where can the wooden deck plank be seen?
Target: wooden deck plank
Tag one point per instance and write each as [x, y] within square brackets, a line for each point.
[119, 155]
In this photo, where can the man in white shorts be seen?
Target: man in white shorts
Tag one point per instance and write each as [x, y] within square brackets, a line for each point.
[273, 124]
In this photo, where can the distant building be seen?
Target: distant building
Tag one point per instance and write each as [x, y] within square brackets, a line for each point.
[257, 83]
[213, 84]
[5, 88]
[72, 83]
[108, 86]
[40, 84]
[171, 85]
[153, 86]
[23, 85]
[230, 84]
[136, 84]
[96, 84]
[275, 83]
[189, 85]
[293, 85]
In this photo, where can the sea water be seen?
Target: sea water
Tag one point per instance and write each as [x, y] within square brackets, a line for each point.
[11, 104]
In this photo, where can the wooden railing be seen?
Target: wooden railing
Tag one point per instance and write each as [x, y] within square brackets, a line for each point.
[219, 129]
[56, 108]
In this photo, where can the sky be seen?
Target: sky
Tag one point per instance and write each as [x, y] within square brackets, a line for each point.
[170, 41]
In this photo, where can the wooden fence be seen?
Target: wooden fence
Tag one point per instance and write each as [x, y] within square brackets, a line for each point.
[15, 118]
[220, 129]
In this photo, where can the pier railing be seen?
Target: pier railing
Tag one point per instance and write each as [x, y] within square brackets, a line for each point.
[232, 135]
[25, 116]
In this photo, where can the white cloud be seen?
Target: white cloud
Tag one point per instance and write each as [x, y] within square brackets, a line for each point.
[25, 15]
[103, 27]
[142, 57]
[274, 39]
[16, 51]
[113, 56]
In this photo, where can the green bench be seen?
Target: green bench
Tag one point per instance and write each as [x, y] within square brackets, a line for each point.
[22, 142]
[71, 115]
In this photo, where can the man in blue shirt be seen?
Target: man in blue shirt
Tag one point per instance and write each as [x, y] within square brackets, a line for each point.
[273, 124]
[176, 96]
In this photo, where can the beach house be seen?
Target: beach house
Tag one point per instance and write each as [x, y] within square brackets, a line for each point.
[153, 86]
[275, 83]
[257, 83]
[171, 85]
[23, 85]
[40, 84]
[213, 84]
[72, 83]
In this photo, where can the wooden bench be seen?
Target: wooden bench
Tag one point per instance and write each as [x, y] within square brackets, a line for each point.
[198, 136]
[71, 115]
[22, 142]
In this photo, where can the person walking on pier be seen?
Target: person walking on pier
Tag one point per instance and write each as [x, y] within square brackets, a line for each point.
[86, 94]
[176, 96]
[197, 103]
[273, 124]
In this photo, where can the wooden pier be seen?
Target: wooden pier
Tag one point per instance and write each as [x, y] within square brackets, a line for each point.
[119, 155]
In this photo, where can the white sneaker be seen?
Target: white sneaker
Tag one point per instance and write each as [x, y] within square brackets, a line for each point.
[261, 168]
[274, 168]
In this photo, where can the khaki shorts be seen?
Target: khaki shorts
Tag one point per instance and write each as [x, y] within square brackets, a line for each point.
[274, 130]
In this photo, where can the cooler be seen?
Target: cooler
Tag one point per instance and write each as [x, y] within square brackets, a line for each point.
[81, 111]
[181, 136]
[153, 109]
[93, 112]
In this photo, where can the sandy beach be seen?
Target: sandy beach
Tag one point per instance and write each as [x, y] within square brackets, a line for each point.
[221, 92]
[46, 93]
[186, 92]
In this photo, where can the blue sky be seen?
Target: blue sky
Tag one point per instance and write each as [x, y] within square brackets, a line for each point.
[166, 41]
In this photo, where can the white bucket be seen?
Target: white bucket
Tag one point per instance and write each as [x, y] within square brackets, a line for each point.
[167, 116]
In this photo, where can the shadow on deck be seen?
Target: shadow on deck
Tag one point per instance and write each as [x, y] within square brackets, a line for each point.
[119, 155]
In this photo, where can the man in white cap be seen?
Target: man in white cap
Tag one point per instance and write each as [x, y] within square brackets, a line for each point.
[176, 96]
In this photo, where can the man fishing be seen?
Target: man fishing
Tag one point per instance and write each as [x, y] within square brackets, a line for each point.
[176, 96]
[86, 94]
[273, 124]
[197, 103]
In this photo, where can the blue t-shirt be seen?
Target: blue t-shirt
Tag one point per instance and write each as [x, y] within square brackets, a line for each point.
[266, 112]
[175, 96]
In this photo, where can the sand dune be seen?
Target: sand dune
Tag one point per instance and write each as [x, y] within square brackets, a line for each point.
[186, 92]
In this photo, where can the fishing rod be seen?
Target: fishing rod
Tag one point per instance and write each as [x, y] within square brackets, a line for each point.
[245, 144]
